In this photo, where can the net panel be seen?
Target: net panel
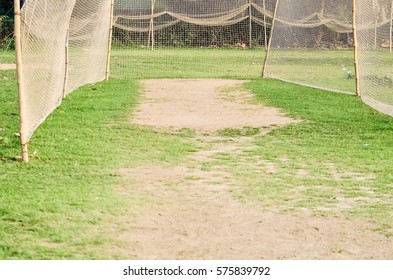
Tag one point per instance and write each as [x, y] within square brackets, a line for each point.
[47, 26]
[43, 35]
[195, 28]
[375, 53]
[312, 44]
[88, 42]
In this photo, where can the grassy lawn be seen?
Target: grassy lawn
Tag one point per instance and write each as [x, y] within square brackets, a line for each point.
[322, 68]
[7, 56]
[337, 161]
[187, 63]
[57, 206]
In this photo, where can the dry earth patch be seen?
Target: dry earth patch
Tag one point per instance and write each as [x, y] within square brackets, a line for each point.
[193, 212]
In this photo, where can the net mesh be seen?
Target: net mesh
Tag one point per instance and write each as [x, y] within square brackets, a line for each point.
[374, 52]
[312, 44]
[197, 27]
[64, 45]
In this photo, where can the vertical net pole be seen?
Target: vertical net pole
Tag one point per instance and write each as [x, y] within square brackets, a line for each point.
[250, 24]
[22, 98]
[66, 64]
[355, 45]
[108, 60]
[153, 3]
[150, 36]
[391, 28]
[270, 40]
[264, 24]
[376, 32]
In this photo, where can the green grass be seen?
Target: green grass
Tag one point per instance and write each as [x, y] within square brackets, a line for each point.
[58, 205]
[7, 56]
[187, 63]
[337, 160]
[321, 68]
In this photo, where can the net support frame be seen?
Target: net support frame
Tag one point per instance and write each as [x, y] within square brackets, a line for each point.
[264, 26]
[355, 48]
[391, 29]
[19, 70]
[108, 59]
[67, 62]
[264, 75]
[250, 24]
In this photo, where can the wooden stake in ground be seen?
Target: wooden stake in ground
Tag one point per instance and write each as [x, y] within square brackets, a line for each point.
[264, 73]
[151, 26]
[66, 64]
[19, 70]
[108, 60]
[250, 24]
[391, 28]
[355, 45]
[264, 25]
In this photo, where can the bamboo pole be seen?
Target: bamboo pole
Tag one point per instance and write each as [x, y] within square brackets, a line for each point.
[391, 28]
[150, 36]
[19, 70]
[355, 45]
[153, 3]
[66, 64]
[250, 24]
[264, 25]
[264, 74]
[108, 59]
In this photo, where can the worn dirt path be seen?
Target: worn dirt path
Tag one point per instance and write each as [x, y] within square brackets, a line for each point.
[195, 214]
[7, 66]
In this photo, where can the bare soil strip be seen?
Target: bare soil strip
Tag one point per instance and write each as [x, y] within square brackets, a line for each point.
[7, 66]
[192, 212]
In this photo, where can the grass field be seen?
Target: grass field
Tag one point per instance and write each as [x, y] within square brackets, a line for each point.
[187, 63]
[326, 69]
[7, 56]
[336, 162]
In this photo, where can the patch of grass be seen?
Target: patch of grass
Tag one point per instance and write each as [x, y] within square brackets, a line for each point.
[60, 204]
[342, 148]
[7, 56]
[321, 68]
[187, 63]
[236, 132]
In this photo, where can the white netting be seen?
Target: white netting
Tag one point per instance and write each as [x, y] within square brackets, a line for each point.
[88, 42]
[155, 15]
[160, 24]
[312, 44]
[44, 35]
[375, 53]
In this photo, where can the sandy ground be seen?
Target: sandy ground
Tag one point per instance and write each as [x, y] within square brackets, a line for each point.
[7, 66]
[193, 213]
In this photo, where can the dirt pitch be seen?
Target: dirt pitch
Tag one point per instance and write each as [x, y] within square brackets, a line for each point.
[193, 213]
[7, 66]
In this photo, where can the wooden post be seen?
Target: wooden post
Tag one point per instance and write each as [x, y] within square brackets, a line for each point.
[66, 64]
[19, 70]
[264, 75]
[355, 45]
[153, 3]
[250, 24]
[391, 28]
[264, 25]
[108, 59]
